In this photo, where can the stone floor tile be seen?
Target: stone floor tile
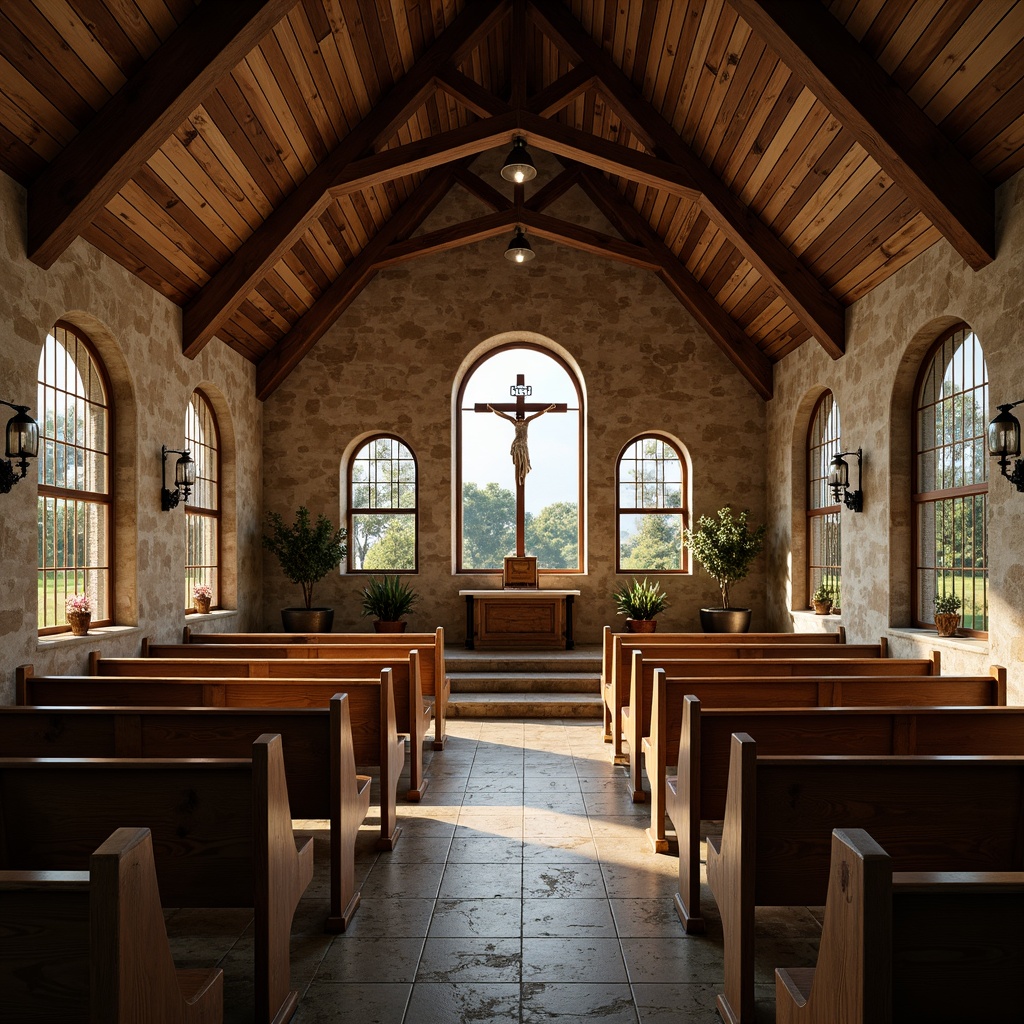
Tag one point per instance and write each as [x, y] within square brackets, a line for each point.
[447, 1003]
[499, 918]
[458, 960]
[586, 960]
[403, 880]
[552, 918]
[671, 1003]
[681, 959]
[376, 959]
[476, 881]
[554, 1003]
[401, 918]
[351, 1004]
[561, 880]
[486, 850]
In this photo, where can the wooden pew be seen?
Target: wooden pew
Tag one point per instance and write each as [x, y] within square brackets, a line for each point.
[86, 946]
[928, 813]
[435, 681]
[615, 686]
[412, 712]
[229, 843]
[636, 712]
[909, 946]
[319, 760]
[702, 748]
[371, 706]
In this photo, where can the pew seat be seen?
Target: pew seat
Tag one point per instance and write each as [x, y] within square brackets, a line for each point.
[909, 947]
[86, 946]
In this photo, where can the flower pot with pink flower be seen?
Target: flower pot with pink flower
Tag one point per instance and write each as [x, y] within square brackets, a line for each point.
[78, 608]
[202, 595]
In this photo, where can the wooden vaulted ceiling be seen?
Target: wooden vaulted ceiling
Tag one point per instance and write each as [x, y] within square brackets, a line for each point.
[259, 161]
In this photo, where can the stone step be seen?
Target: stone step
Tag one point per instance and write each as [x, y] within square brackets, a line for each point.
[524, 705]
[520, 682]
[586, 659]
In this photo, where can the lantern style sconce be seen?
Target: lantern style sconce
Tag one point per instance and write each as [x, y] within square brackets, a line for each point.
[518, 166]
[839, 482]
[22, 444]
[184, 478]
[1004, 444]
[519, 250]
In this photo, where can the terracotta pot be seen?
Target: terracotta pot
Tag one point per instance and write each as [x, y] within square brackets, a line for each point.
[821, 607]
[79, 622]
[946, 623]
[641, 625]
[203, 605]
[307, 620]
[383, 626]
[725, 620]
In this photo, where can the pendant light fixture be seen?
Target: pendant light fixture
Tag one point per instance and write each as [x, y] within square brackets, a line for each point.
[518, 165]
[519, 250]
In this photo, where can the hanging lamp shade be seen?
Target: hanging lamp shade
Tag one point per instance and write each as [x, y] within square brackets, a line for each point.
[518, 165]
[519, 250]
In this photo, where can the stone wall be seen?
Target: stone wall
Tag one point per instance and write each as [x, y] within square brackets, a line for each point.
[392, 363]
[888, 334]
[138, 334]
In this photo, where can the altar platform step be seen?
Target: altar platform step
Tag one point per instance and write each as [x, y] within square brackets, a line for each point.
[525, 684]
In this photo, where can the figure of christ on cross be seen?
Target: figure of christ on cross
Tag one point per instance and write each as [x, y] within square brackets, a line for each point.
[519, 451]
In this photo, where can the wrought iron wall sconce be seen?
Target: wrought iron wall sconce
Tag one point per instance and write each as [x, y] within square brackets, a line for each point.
[1004, 444]
[184, 478]
[839, 482]
[22, 444]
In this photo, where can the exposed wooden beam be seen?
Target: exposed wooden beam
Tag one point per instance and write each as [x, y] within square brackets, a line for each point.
[820, 311]
[290, 350]
[486, 193]
[561, 92]
[587, 240]
[223, 294]
[452, 237]
[70, 193]
[923, 163]
[470, 94]
[553, 189]
[720, 327]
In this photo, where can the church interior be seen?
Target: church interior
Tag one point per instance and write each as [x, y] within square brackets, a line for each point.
[761, 237]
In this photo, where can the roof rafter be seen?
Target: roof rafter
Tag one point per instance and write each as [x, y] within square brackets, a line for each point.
[721, 328]
[226, 291]
[820, 311]
[925, 165]
[75, 187]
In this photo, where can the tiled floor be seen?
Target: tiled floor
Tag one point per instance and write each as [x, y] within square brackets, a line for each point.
[521, 890]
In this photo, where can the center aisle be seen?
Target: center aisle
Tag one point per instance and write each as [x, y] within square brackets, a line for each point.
[521, 891]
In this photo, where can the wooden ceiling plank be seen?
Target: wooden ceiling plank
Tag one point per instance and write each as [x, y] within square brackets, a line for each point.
[78, 39]
[373, 66]
[28, 131]
[814, 304]
[286, 224]
[20, 97]
[135, 122]
[693, 68]
[884, 218]
[837, 148]
[16, 156]
[743, 89]
[1003, 157]
[846, 219]
[890, 248]
[289, 352]
[1003, 78]
[885, 121]
[726, 45]
[321, 89]
[722, 330]
[913, 248]
[668, 34]
[652, 16]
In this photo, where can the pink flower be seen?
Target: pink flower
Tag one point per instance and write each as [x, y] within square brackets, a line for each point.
[202, 590]
[78, 603]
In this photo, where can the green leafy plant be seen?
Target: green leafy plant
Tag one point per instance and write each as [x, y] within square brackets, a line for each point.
[307, 552]
[947, 604]
[822, 593]
[640, 599]
[388, 598]
[726, 547]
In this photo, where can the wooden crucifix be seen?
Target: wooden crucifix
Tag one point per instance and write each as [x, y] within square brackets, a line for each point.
[519, 451]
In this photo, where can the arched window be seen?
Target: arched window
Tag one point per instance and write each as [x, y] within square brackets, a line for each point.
[202, 509]
[382, 512]
[75, 479]
[530, 502]
[824, 522]
[651, 506]
[950, 489]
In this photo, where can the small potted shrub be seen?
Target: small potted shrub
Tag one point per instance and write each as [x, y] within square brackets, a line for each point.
[307, 553]
[822, 599]
[640, 601]
[202, 595]
[388, 600]
[947, 614]
[78, 608]
[726, 548]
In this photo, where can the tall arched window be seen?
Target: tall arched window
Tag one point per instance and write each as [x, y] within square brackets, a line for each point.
[530, 502]
[950, 490]
[202, 509]
[824, 522]
[382, 513]
[651, 506]
[75, 479]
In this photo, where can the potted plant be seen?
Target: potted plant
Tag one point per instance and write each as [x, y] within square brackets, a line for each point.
[307, 553]
[202, 595]
[822, 599]
[78, 608]
[726, 548]
[388, 599]
[947, 614]
[640, 601]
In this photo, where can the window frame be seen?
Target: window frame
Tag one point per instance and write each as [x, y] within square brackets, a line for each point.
[579, 570]
[354, 510]
[682, 510]
[202, 512]
[104, 500]
[919, 498]
[817, 448]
